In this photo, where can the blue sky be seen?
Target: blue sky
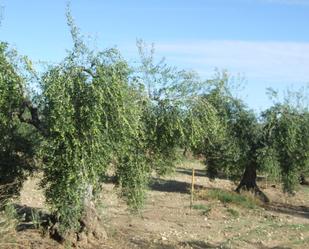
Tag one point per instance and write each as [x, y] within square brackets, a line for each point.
[266, 41]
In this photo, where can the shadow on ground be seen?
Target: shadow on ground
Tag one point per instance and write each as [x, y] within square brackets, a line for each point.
[300, 211]
[186, 171]
[171, 186]
[140, 243]
[197, 244]
[202, 173]
[30, 217]
[194, 244]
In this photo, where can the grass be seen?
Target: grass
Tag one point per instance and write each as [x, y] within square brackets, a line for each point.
[273, 230]
[204, 208]
[8, 222]
[232, 212]
[291, 227]
[36, 219]
[244, 200]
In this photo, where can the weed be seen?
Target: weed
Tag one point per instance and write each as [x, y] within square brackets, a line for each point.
[300, 241]
[36, 219]
[291, 227]
[205, 209]
[234, 213]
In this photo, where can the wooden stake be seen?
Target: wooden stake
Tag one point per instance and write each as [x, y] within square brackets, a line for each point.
[192, 188]
[266, 181]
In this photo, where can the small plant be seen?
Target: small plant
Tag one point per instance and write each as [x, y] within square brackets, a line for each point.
[233, 213]
[8, 223]
[36, 219]
[10, 211]
[205, 209]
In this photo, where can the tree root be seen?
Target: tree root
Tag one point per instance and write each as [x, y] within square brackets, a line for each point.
[91, 230]
[254, 189]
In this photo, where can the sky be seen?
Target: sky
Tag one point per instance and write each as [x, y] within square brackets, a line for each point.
[264, 41]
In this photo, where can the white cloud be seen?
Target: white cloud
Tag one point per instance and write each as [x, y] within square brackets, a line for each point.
[270, 61]
[263, 63]
[290, 2]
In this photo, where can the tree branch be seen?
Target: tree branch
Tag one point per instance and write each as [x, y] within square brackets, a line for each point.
[34, 120]
[88, 71]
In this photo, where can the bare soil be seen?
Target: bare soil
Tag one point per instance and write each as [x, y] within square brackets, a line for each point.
[167, 221]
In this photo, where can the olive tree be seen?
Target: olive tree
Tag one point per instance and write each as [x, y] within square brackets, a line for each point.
[167, 93]
[231, 136]
[17, 145]
[288, 136]
[90, 118]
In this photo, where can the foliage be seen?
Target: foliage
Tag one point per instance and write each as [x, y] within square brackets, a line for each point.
[133, 169]
[288, 136]
[167, 93]
[163, 135]
[228, 134]
[202, 125]
[267, 159]
[16, 143]
[91, 119]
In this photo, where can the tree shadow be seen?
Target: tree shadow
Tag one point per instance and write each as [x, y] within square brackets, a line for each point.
[151, 245]
[194, 244]
[31, 218]
[299, 211]
[277, 247]
[203, 173]
[172, 186]
[186, 171]
[197, 244]
[110, 179]
[259, 245]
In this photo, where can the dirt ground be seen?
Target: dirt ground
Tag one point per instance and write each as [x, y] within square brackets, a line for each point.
[167, 221]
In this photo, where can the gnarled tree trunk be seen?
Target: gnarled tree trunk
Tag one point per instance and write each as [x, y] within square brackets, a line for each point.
[303, 180]
[248, 183]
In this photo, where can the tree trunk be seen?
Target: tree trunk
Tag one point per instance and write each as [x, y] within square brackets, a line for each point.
[248, 183]
[185, 152]
[91, 225]
[303, 180]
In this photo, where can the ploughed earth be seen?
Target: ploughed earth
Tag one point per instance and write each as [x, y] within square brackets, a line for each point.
[169, 221]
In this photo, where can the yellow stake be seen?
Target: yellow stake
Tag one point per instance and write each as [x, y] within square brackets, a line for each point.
[192, 188]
